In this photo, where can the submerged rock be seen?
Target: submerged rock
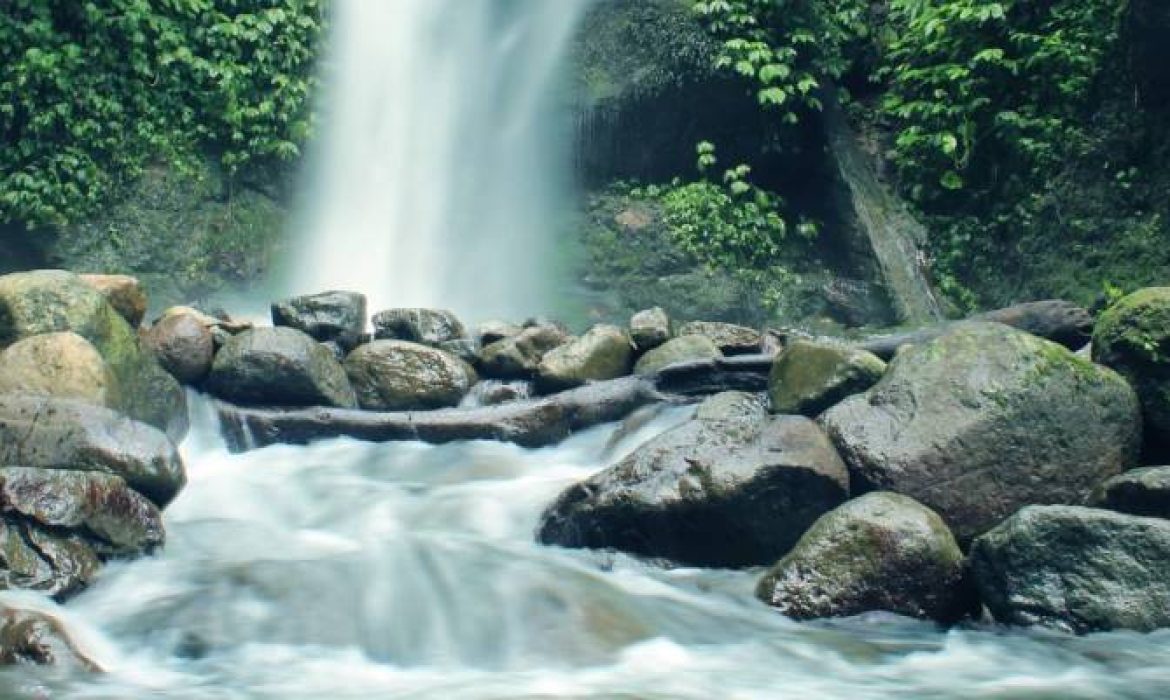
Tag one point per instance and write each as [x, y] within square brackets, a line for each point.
[809, 377]
[649, 329]
[183, 345]
[425, 326]
[393, 375]
[49, 301]
[333, 316]
[685, 348]
[1132, 337]
[1076, 569]
[732, 487]
[1136, 492]
[72, 435]
[879, 552]
[518, 356]
[604, 352]
[280, 367]
[986, 420]
[64, 365]
[731, 339]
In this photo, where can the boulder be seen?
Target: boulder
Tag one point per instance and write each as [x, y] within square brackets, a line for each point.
[685, 348]
[124, 293]
[465, 349]
[495, 331]
[604, 352]
[809, 377]
[879, 552]
[55, 563]
[518, 357]
[1076, 569]
[1133, 337]
[528, 423]
[985, 420]
[281, 367]
[732, 487]
[65, 434]
[29, 637]
[64, 365]
[327, 317]
[425, 326]
[49, 301]
[731, 339]
[394, 375]
[649, 329]
[183, 345]
[1136, 492]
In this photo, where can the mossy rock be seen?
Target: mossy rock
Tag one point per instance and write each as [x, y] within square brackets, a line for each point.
[685, 348]
[604, 352]
[1133, 337]
[810, 377]
[396, 375]
[279, 367]
[51, 301]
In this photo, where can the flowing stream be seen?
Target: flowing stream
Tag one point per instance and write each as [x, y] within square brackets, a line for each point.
[354, 570]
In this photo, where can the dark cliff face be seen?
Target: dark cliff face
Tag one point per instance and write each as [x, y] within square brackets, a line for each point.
[1149, 28]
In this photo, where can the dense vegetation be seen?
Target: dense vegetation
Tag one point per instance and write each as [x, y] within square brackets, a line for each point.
[92, 92]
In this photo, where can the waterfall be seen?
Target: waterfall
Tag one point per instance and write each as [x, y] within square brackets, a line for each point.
[444, 158]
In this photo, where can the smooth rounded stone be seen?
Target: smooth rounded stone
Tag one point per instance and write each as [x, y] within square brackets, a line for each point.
[222, 322]
[124, 293]
[731, 339]
[732, 487]
[879, 552]
[1076, 569]
[685, 348]
[49, 301]
[1137, 492]
[395, 375]
[71, 435]
[95, 505]
[985, 420]
[1132, 337]
[604, 352]
[328, 316]
[465, 349]
[183, 345]
[495, 331]
[425, 326]
[64, 365]
[28, 637]
[518, 357]
[810, 377]
[279, 367]
[649, 329]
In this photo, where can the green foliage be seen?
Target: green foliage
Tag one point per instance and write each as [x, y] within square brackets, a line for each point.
[988, 94]
[91, 92]
[786, 47]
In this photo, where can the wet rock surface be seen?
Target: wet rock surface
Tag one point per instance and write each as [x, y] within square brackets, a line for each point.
[279, 367]
[183, 345]
[809, 377]
[1137, 492]
[685, 348]
[425, 326]
[603, 352]
[392, 375]
[333, 316]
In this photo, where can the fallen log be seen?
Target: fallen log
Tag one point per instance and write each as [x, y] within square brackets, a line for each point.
[1059, 321]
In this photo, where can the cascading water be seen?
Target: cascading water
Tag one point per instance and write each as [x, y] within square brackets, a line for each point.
[354, 570]
[444, 165]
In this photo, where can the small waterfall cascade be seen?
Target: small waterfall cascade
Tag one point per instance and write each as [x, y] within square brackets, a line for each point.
[445, 155]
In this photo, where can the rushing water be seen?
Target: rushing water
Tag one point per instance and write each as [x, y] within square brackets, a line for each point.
[352, 570]
[444, 161]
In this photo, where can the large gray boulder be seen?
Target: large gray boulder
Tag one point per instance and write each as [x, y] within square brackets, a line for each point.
[1132, 337]
[518, 356]
[51, 301]
[333, 316]
[425, 326]
[604, 352]
[279, 367]
[985, 420]
[1076, 569]
[685, 348]
[809, 377]
[64, 365]
[1136, 492]
[58, 527]
[71, 435]
[393, 375]
[879, 552]
[732, 487]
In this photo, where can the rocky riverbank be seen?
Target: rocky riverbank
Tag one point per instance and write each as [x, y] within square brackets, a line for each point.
[983, 468]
